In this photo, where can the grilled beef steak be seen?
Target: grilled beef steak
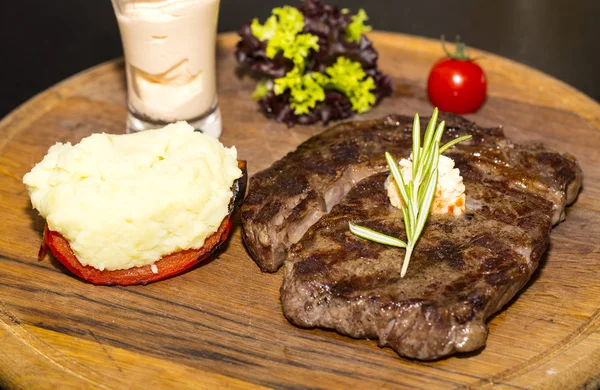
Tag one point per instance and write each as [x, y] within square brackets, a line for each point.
[287, 198]
[463, 268]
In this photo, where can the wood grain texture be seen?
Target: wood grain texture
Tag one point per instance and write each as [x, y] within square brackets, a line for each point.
[220, 324]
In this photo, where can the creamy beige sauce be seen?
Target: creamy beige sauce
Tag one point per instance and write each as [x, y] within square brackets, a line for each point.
[169, 48]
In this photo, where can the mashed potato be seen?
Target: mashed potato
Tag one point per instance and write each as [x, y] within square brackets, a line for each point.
[124, 201]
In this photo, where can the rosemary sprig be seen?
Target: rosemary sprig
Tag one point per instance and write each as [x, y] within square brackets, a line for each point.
[417, 195]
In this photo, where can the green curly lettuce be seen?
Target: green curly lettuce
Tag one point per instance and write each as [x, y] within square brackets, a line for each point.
[306, 90]
[261, 90]
[357, 26]
[266, 31]
[348, 77]
[281, 31]
[345, 76]
[297, 50]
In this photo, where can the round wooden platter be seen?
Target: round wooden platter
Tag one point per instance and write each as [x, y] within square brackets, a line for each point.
[220, 324]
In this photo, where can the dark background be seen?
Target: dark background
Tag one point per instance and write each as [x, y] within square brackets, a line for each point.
[45, 41]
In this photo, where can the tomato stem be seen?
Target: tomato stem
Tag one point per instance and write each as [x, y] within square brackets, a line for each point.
[459, 53]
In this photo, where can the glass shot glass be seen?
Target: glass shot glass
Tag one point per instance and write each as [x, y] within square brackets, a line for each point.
[169, 48]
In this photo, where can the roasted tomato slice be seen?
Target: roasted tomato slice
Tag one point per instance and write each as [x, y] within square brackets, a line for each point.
[168, 265]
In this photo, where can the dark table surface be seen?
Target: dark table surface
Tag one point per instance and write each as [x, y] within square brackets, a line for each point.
[44, 42]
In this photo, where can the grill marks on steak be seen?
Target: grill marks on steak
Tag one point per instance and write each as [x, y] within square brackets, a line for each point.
[287, 198]
[531, 170]
[463, 268]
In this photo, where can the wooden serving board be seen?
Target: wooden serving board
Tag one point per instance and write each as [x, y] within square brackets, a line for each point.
[220, 324]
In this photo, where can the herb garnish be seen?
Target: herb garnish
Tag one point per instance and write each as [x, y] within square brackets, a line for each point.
[417, 195]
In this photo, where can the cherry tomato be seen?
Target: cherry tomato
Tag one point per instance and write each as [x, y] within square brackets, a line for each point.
[168, 265]
[457, 84]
